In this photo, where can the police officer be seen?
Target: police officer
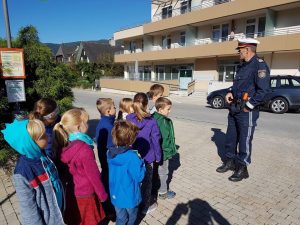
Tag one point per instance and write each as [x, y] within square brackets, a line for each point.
[249, 88]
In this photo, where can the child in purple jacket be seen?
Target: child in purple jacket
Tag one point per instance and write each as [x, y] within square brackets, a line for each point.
[148, 145]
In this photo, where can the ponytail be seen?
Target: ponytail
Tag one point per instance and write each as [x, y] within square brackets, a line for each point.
[73, 117]
[60, 139]
[140, 102]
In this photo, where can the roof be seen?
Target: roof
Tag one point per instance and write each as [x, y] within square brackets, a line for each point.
[66, 49]
[94, 50]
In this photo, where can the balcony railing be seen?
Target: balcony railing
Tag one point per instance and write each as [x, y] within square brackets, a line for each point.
[158, 77]
[275, 32]
[203, 41]
[179, 11]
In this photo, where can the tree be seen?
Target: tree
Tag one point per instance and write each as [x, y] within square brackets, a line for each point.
[106, 63]
[27, 36]
[44, 78]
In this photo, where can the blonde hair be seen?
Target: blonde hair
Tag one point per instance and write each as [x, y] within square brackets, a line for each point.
[162, 102]
[71, 118]
[36, 129]
[42, 107]
[155, 90]
[104, 104]
[140, 102]
[124, 133]
[125, 106]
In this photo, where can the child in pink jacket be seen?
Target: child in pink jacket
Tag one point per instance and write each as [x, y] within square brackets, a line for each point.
[78, 155]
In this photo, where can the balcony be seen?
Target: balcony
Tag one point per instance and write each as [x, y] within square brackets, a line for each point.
[279, 39]
[180, 10]
[224, 10]
[205, 41]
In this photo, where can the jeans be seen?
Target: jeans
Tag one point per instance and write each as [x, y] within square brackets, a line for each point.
[126, 216]
[163, 172]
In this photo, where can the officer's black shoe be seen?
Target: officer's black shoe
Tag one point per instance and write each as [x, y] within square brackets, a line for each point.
[239, 174]
[227, 165]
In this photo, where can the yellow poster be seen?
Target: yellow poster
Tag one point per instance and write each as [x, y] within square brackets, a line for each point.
[12, 63]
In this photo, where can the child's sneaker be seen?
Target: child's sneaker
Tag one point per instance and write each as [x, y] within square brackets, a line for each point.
[150, 209]
[167, 195]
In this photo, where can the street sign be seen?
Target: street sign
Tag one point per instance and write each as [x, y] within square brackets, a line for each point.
[12, 63]
[15, 90]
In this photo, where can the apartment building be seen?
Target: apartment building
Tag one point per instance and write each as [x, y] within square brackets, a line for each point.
[195, 40]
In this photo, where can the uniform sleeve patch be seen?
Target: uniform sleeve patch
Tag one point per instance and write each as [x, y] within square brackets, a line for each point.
[262, 73]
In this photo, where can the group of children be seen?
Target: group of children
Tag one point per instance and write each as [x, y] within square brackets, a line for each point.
[57, 179]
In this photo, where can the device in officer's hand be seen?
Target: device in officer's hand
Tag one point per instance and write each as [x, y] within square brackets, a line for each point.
[243, 101]
[245, 96]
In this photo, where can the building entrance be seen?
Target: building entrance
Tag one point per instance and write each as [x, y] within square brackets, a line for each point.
[185, 77]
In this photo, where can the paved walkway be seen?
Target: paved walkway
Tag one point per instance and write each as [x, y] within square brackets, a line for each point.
[9, 208]
[270, 196]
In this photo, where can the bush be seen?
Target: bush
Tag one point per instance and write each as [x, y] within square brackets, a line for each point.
[44, 78]
[83, 83]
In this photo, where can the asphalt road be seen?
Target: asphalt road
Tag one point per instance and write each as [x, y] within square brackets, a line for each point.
[195, 109]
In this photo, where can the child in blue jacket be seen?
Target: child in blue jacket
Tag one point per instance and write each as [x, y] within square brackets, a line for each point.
[126, 172]
[107, 110]
[36, 180]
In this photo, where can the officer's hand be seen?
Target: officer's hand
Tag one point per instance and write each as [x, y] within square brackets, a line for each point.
[229, 97]
[245, 109]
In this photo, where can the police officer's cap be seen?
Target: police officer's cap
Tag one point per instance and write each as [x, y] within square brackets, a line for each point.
[246, 42]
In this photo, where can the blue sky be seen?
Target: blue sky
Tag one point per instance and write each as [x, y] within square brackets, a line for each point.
[60, 21]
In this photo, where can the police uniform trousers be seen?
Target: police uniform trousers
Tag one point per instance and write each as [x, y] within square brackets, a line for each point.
[239, 135]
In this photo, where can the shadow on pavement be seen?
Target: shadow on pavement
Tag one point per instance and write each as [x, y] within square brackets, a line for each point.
[7, 197]
[199, 213]
[174, 164]
[219, 139]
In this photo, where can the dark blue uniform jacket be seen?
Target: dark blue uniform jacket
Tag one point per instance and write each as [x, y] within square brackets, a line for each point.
[252, 77]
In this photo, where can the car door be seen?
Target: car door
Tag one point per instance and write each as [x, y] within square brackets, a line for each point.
[295, 91]
[284, 89]
[274, 85]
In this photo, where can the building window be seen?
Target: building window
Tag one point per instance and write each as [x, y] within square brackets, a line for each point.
[217, 2]
[261, 26]
[167, 12]
[132, 46]
[182, 38]
[166, 41]
[220, 32]
[250, 28]
[216, 33]
[227, 72]
[185, 7]
[160, 73]
[225, 32]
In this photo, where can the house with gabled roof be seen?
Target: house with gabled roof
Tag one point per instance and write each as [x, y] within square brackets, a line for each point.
[65, 53]
[92, 52]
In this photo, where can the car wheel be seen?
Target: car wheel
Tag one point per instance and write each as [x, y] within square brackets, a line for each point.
[217, 102]
[279, 105]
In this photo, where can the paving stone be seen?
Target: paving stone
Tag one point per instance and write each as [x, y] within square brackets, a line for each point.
[205, 196]
[12, 219]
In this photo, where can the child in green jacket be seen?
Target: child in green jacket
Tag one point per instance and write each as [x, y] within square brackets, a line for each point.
[165, 124]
